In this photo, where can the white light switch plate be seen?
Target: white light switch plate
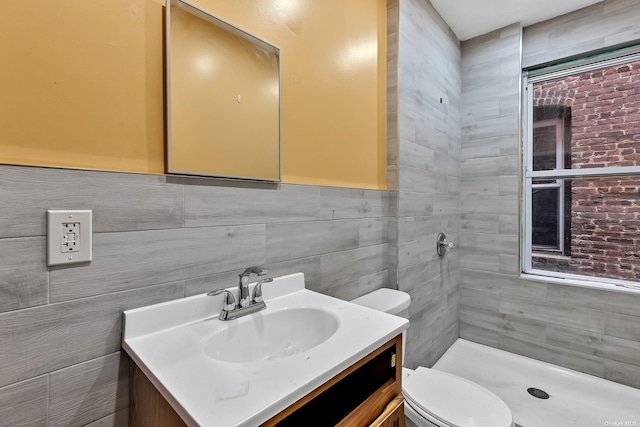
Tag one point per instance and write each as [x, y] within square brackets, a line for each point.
[69, 237]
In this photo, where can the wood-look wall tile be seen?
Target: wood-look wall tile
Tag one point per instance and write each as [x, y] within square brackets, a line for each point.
[339, 268]
[498, 244]
[490, 205]
[291, 240]
[484, 280]
[613, 302]
[489, 166]
[480, 186]
[25, 403]
[214, 204]
[417, 275]
[348, 203]
[89, 391]
[392, 177]
[477, 106]
[410, 227]
[523, 328]
[472, 259]
[423, 295]
[43, 339]
[492, 128]
[622, 373]
[120, 201]
[531, 290]
[119, 419]
[429, 200]
[480, 299]
[580, 318]
[446, 205]
[619, 349]
[416, 156]
[417, 180]
[374, 281]
[441, 343]
[622, 326]
[414, 204]
[421, 341]
[447, 163]
[392, 154]
[373, 231]
[123, 261]
[345, 292]
[432, 313]
[481, 318]
[509, 263]
[23, 273]
[416, 252]
[479, 223]
[604, 24]
[453, 186]
[480, 149]
[509, 224]
[229, 279]
[574, 339]
[581, 362]
[478, 334]
[508, 185]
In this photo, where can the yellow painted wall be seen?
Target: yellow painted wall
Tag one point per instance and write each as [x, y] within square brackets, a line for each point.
[82, 84]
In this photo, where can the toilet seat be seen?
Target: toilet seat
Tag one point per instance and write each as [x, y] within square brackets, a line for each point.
[453, 401]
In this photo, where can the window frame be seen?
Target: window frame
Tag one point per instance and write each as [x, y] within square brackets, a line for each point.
[529, 78]
[557, 184]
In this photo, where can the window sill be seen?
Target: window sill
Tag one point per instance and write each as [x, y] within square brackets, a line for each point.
[619, 286]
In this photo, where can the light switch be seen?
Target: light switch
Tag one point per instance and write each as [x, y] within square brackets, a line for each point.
[69, 237]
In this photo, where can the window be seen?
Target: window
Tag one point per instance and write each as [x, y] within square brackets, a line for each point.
[582, 171]
[547, 225]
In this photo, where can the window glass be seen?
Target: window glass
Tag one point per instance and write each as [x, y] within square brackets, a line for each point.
[546, 218]
[582, 177]
[603, 228]
[544, 148]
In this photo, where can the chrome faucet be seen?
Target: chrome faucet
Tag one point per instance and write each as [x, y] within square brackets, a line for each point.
[246, 304]
[243, 286]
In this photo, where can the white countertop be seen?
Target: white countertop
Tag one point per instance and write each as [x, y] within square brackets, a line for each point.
[166, 341]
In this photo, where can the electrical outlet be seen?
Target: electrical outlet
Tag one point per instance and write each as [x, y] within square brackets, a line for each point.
[68, 237]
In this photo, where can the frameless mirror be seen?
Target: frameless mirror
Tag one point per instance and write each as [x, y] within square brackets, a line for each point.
[223, 98]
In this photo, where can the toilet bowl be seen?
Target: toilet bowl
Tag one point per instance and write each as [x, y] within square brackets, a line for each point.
[436, 398]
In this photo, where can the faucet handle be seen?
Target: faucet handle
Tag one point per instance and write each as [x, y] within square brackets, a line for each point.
[228, 301]
[257, 291]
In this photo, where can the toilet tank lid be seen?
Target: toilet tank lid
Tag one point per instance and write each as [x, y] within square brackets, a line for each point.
[386, 300]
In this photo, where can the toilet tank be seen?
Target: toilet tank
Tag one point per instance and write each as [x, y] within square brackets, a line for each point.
[389, 301]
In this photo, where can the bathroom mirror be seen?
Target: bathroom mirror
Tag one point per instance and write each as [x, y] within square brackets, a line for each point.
[223, 98]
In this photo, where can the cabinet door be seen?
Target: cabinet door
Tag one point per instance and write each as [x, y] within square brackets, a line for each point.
[393, 414]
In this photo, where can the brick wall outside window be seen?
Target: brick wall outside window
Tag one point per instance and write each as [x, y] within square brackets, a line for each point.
[604, 110]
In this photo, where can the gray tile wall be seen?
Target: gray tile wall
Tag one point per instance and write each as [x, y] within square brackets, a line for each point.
[429, 177]
[605, 24]
[156, 238]
[392, 136]
[588, 330]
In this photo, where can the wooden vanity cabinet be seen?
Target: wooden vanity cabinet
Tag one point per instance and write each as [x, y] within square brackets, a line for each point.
[368, 393]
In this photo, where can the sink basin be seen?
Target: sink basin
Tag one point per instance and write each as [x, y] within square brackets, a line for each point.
[267, 336]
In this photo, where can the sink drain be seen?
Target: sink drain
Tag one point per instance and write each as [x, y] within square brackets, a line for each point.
[536, 392]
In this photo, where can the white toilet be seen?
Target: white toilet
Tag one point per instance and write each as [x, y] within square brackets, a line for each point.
[436, 398]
